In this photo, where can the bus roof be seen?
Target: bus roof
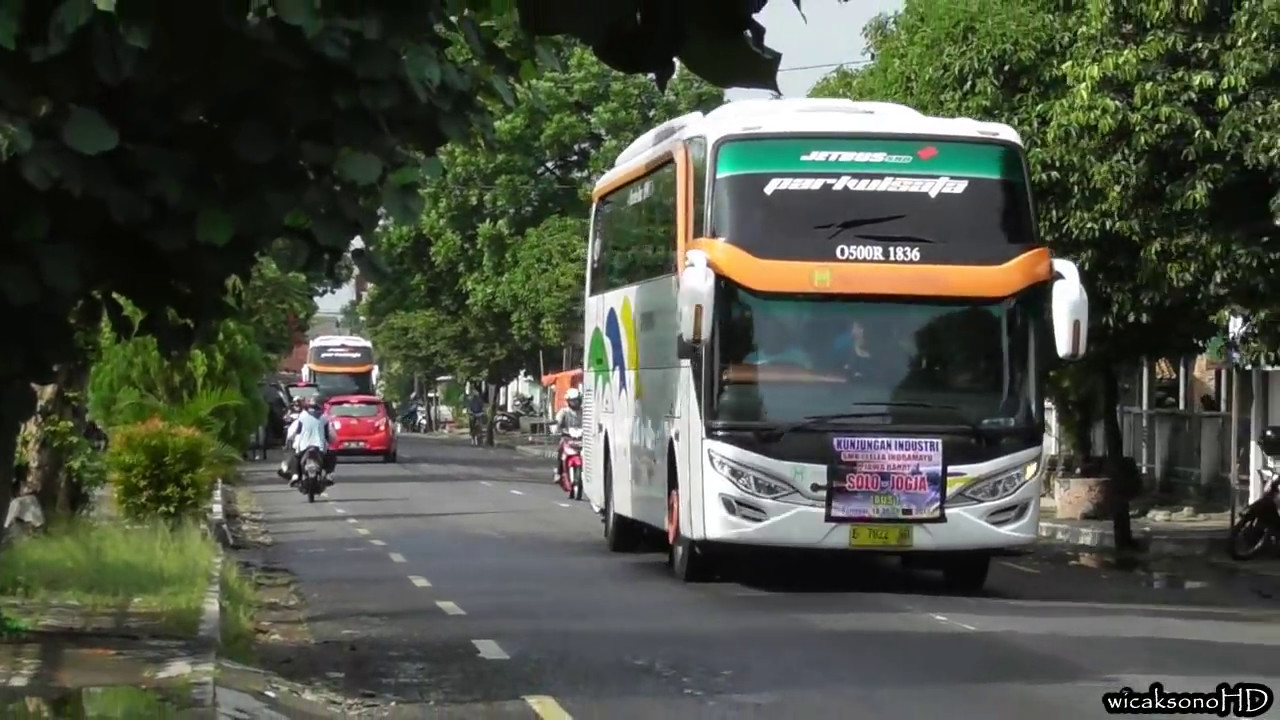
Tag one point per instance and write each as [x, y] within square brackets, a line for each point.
[348, 340]
[799, 115]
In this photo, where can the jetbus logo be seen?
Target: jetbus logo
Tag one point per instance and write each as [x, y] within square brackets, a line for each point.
[613, 347]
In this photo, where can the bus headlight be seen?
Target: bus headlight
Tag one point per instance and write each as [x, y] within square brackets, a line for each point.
[997, 487]
[748, 479]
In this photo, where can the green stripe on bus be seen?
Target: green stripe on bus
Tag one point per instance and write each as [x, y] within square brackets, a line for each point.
[885, 157]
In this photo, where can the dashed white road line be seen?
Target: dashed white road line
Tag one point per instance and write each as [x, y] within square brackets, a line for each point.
[1023, 568]
[340, 511]
[547, 708]
[353, 521]
[489, 650]
[419, 581]
[379, 543]
[516, 492]
[949, 621]
[397, 558]
[362, 531]
[564, 504]
[450, 608]
[486, 483]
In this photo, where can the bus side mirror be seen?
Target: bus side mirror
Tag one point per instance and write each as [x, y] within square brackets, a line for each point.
[696, 297]
[1070, 309]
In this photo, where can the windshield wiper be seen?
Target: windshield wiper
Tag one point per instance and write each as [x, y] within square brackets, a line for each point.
[852, 223]
[980, 430]
[774, 434]
[895, 238]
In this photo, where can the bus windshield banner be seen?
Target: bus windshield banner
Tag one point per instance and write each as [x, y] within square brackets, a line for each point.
[886, 480]
[343, 356]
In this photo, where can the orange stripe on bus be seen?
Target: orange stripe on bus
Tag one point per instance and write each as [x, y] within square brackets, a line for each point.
[340, 368]
[970, 281]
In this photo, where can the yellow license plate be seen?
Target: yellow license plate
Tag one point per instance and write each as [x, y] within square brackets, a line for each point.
[887, 536]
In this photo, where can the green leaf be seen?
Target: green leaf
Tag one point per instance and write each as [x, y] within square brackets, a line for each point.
[432, 168]
[88, 133]
[297, 219]
[504, 90]
[40, 168]
[299, 13]
[105, 5]
[10, 23]
[529, 71]
[15, 139]
[403, 203]
[214, 226]
[358, 167]
[406, 175]
[70, 16]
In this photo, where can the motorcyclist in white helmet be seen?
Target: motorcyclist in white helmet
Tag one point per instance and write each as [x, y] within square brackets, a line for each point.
[570, 416]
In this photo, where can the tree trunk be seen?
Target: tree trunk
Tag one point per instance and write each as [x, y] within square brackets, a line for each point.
[1121, 471]
[48, 437]
[492, 390]
[9, 428]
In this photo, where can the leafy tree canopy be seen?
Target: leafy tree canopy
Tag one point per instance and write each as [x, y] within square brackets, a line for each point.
[153, 151]
[718, 40]
[1147, 130]
[493, 269]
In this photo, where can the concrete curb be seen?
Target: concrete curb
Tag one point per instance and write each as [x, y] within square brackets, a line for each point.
[203, 686]
[537, 452]
[1184, 544]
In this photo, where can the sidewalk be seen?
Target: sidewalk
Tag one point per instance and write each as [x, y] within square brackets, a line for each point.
[60, 659]
[1159, 533]
[523, 443]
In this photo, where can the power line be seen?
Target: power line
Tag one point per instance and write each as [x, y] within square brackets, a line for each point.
[822, 66]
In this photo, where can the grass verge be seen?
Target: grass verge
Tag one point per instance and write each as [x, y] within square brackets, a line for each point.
[238, 603]
[150, 569]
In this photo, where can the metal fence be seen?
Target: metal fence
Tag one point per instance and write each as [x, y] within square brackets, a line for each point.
[1170, 446]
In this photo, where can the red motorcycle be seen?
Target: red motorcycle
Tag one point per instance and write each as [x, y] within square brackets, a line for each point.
[571, 463]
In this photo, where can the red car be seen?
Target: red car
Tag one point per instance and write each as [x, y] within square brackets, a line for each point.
[362, 425]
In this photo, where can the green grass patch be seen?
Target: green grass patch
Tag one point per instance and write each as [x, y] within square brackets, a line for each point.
[109, 566]
[238, 603]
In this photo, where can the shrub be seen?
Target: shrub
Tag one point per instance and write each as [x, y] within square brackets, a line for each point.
[161, 470]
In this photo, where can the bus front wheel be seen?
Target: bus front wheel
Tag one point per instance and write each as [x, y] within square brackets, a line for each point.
[966, 573]
[689, 560]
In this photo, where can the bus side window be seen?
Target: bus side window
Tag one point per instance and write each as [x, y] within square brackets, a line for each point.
[698, 159]
[636, 232]
[598, 261]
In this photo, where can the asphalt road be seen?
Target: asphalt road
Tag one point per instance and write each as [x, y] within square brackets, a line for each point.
[461, 578]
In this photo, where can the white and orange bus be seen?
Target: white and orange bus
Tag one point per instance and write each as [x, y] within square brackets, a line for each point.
[341, 365]
[822, 324]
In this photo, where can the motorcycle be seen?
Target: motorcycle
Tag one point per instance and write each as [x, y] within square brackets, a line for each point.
[507, 421]
[571, 463]
[311, 482]
[1258, 527]
[415, 419]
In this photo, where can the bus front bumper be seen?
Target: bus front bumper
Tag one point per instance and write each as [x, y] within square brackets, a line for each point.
[735, 517]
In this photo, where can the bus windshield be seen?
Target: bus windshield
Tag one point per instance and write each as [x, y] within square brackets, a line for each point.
[333, 384]
[868, 200]
[782, 359]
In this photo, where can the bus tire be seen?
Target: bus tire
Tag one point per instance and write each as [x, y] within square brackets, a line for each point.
[966, 573]
[690, 562]
[621, 534]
